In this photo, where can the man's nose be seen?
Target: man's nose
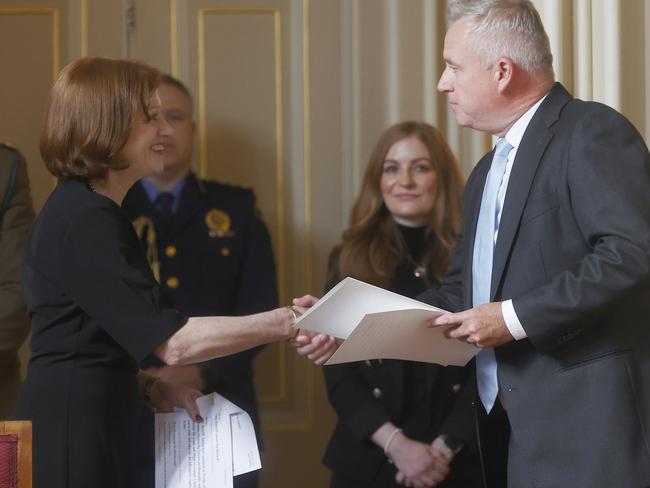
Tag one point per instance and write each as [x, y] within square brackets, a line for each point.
[443, 82]
[164, 127]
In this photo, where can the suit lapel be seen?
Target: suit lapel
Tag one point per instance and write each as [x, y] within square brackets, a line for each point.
[529, 154]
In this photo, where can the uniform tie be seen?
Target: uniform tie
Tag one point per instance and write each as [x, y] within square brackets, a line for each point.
[486, 230]
[164, 203]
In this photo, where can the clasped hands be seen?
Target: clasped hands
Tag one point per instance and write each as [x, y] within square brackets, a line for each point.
[482, 326]
[420, 465]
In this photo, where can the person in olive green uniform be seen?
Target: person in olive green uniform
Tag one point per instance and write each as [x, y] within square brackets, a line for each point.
[212, 255]
[16, 215]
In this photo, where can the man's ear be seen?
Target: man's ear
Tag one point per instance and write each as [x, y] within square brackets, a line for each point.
[503, 72]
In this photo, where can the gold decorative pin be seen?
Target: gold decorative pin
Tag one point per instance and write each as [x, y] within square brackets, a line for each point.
[218, 223]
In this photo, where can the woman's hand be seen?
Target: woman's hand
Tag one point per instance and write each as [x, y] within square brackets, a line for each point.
[442, 457]
[164, 396]
[441, 450]
[303, 303]
[317, 347]
[189, 375]
[416, 463]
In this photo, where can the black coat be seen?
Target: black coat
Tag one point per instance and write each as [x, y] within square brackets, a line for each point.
[218, 268]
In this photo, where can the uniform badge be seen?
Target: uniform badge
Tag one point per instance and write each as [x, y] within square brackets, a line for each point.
[218, 223]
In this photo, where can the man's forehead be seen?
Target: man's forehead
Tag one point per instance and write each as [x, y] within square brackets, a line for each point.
[168, 92]
[458, 42]
[457, 33]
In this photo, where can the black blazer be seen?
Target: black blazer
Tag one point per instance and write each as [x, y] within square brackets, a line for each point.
[573, 253]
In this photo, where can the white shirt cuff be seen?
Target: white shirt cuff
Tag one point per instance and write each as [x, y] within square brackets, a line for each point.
[512, 321]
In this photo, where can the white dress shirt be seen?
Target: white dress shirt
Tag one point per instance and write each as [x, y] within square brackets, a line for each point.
[513, 136]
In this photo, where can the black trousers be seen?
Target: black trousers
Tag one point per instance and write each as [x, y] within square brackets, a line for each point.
[494, 435]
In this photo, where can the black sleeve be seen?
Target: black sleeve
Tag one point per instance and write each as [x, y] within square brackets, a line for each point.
[109, 278]
[449, 295]
[460, 424]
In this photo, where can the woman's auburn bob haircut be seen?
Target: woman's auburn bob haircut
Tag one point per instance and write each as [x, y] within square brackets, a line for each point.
[90, 112]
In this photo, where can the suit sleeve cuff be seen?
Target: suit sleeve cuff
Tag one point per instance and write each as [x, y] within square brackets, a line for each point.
[512, 321]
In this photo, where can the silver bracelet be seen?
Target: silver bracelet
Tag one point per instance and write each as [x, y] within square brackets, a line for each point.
[391, 437]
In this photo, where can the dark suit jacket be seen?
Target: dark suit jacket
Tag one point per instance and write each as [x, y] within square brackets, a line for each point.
[573, 252]
[231, 272]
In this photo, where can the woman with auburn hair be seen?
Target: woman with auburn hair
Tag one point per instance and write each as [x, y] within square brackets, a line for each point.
[400, 422]
[95, 306]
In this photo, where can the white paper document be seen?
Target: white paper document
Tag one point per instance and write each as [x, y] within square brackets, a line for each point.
[380, 324]
[205, 454]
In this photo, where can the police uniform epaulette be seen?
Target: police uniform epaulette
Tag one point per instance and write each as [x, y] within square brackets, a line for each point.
[213, 184]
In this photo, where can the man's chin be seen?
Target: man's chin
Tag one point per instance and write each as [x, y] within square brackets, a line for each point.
[462, 119]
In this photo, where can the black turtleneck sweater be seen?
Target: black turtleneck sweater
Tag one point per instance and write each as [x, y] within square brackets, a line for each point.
[404, 282]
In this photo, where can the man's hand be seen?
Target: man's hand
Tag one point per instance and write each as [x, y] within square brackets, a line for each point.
[482, 326]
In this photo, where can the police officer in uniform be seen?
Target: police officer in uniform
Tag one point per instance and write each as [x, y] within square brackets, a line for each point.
[211, 253]
[16, 216]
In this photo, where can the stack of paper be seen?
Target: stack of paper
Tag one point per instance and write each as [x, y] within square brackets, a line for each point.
[205, 454]
[379, 324]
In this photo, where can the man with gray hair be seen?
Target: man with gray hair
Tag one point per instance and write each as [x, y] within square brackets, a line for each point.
[551, 277]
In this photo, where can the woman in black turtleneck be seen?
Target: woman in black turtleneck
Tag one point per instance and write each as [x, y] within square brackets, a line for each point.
[401, 416]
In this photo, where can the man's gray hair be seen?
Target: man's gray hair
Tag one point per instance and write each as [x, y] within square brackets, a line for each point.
[506, 28]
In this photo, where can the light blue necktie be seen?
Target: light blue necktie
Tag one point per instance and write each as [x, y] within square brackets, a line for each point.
[486, 228]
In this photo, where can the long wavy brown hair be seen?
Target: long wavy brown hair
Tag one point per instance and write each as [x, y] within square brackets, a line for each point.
[372, 246]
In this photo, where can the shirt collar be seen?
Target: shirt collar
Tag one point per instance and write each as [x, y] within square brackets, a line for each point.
[176, 190]
[516, 132]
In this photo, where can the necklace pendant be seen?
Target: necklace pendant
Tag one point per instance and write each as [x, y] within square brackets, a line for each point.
[419, 271]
